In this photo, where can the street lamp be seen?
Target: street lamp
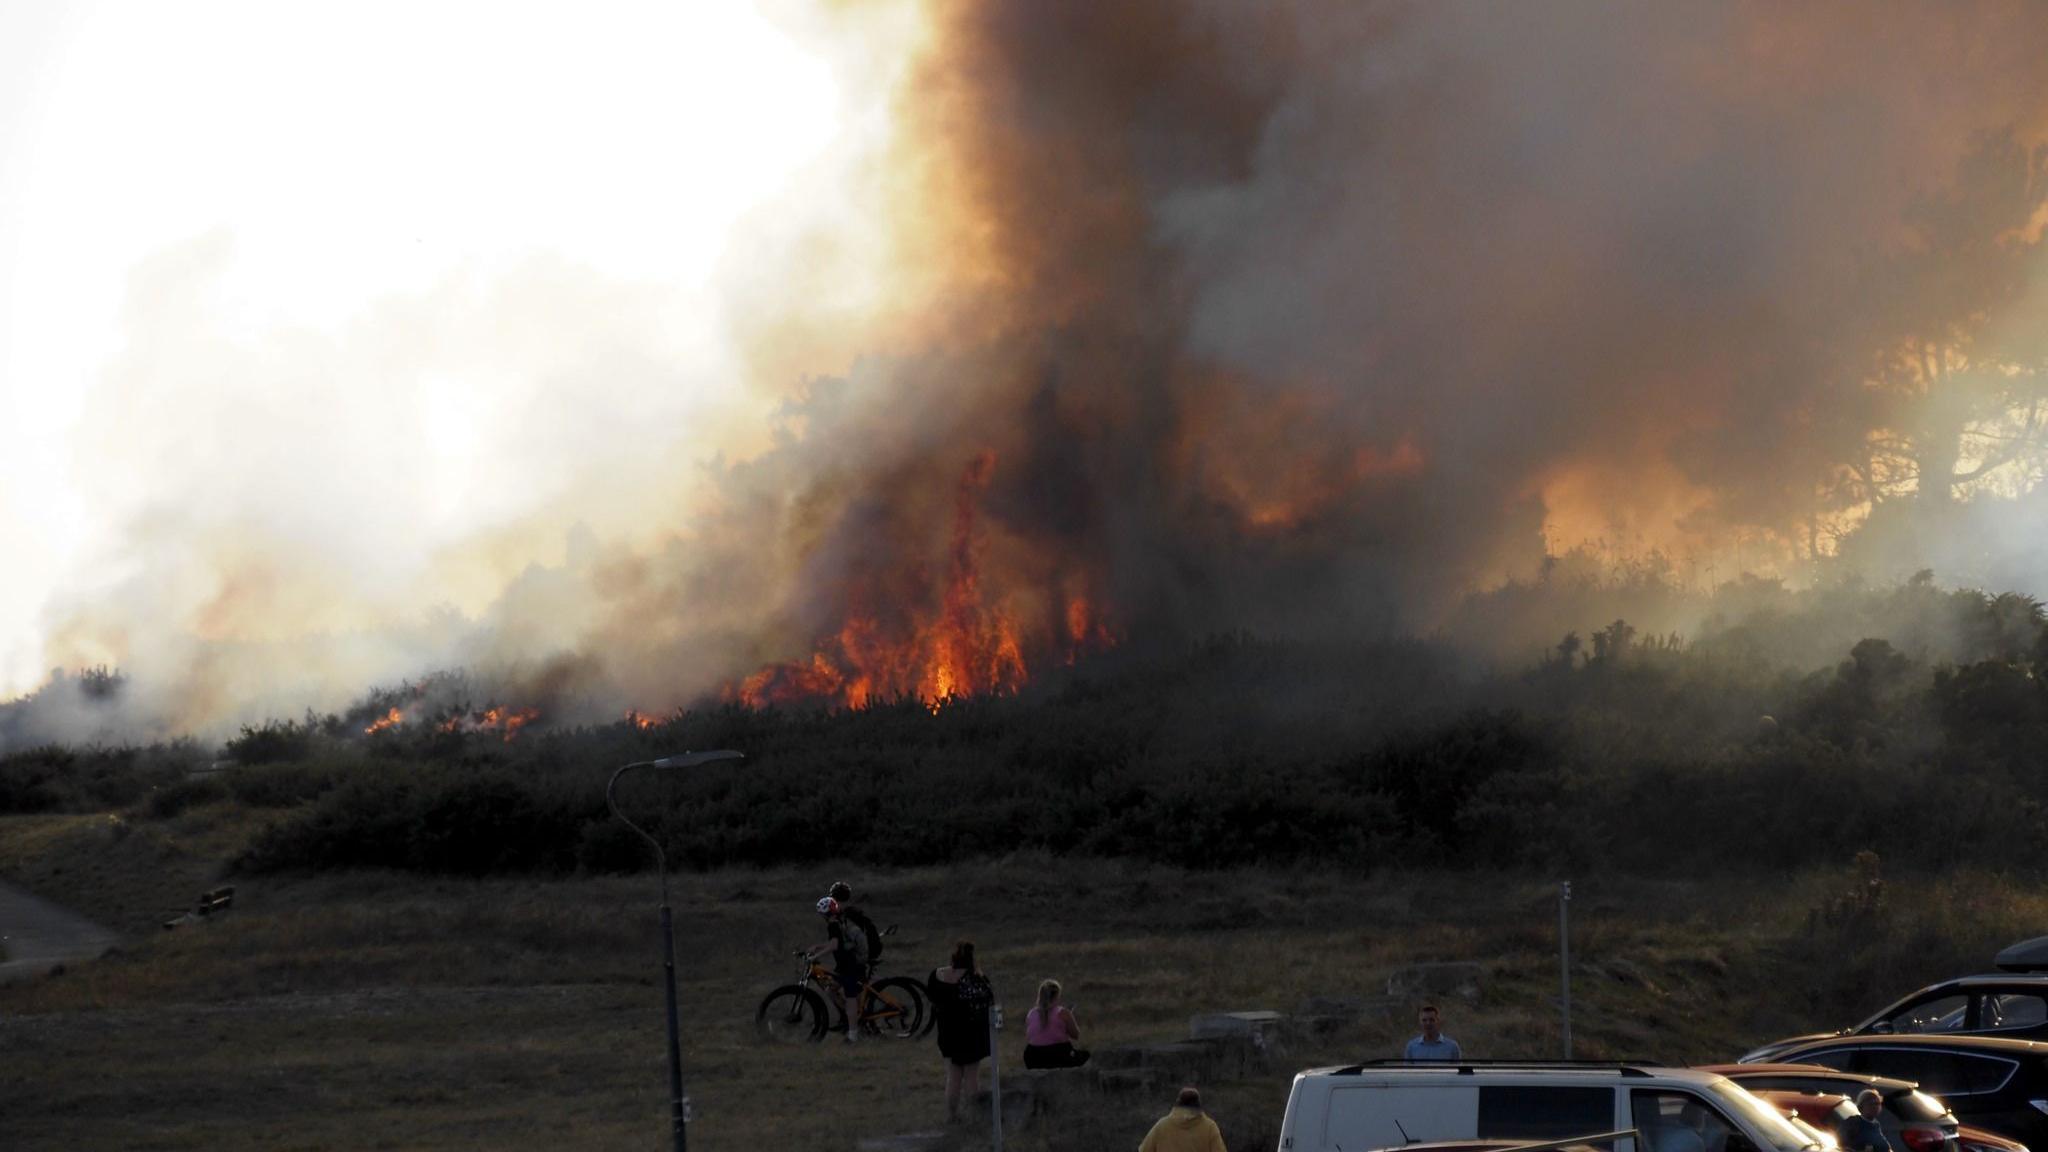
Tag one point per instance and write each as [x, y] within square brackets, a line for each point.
[668, 939]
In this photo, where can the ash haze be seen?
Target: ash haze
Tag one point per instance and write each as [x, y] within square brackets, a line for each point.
[833, 351]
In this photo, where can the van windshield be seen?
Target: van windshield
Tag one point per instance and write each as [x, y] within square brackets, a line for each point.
[1761, 1118]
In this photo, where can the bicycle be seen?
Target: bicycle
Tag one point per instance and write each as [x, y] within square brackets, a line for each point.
[892, 1008]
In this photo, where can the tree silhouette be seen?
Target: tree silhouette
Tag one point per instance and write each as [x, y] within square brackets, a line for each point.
[1959, 389]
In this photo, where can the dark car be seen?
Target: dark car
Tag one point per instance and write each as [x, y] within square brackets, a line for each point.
[2012, 1005]
[1990, 1082]
[1827, 1111]
[1915, 1121]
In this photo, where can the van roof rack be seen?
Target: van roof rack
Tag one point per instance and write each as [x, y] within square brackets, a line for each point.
[1467, 1067]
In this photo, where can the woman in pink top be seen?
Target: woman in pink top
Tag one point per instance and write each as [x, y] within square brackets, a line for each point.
[1050, 1032]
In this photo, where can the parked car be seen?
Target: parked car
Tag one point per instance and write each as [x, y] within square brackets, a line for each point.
[1823, 1138]
[1987, 1081]
[2000, 1004]
[1824, 1109]
[1913, 1120]
[1904, 1105]
[1389, 1104]
[1827, 1110]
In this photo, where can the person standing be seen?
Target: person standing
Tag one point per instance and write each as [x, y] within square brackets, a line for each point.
[1050, 1032]
[1863, 1132]
[1432, 1044]
[1185, 1129]
[961, 998]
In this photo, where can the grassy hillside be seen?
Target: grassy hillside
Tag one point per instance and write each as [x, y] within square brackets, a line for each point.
[385, 1009]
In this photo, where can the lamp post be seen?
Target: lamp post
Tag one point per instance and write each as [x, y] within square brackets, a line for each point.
[1564, 959]
[668, 939]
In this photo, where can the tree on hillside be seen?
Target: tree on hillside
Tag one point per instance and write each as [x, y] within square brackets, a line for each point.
[1960, 385]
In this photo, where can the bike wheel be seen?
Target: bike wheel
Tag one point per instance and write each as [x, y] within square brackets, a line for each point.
[792, 1014]
[927, 1019]
[894, 1008]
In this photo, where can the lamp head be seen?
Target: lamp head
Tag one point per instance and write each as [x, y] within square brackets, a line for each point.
[693, 759]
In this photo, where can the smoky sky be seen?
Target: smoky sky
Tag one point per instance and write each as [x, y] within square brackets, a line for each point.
[1289, 318]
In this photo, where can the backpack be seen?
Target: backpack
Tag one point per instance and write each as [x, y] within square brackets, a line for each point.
[859, 919]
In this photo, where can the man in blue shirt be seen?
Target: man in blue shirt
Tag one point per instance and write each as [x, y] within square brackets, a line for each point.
[1432, 1044]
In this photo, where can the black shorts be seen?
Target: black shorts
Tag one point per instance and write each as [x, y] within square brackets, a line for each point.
[849, 979]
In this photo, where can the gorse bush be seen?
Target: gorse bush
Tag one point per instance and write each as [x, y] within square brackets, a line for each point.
[463, 822]
[95, 778]
[177, 796]
[1641, 752]
[283, 785]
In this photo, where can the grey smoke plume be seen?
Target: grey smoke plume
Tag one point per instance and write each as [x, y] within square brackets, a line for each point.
[1305, 318]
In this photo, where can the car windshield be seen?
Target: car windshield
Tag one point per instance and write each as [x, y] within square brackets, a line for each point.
[1761, 1118]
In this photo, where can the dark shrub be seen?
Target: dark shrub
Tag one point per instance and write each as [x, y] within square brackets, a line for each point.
[275, 742]
[90, 779]
[171, 799]
[366, 823]
[280, 785]
[607, 846]
[482, 824]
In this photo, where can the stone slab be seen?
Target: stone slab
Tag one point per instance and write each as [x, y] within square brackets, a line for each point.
[1233, 1024]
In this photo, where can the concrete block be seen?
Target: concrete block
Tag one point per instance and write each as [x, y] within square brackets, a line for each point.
[1233, 1024]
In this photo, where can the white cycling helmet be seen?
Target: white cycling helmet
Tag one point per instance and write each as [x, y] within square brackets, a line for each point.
[827, 906]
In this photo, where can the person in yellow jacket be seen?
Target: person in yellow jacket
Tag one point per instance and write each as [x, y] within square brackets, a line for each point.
[1185, 1129]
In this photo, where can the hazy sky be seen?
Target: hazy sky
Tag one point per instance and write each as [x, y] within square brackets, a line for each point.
[226, 227]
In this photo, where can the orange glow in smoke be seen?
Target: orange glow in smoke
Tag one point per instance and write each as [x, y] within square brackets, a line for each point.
[388, 720]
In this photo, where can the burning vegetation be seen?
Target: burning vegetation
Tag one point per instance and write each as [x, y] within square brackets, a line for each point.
[963, 637]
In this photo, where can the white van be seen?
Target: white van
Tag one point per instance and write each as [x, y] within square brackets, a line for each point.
[1387, 1105]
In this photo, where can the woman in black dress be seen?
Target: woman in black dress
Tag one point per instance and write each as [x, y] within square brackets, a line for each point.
[961, 998]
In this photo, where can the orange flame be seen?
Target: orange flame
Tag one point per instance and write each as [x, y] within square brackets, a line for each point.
[640, 720]
[511, 720]
[506, 720]
[388, 720]
[966, 647]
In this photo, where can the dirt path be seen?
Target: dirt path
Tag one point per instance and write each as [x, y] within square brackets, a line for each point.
[37, 935]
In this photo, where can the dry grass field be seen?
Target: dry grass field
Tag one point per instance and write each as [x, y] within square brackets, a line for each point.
[375, 1010]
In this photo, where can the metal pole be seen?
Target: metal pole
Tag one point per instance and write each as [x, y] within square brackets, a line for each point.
[995, 1069]
[1564, 959]
[677, 1121]
[678, 1113]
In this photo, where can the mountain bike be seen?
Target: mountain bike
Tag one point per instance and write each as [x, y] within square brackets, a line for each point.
[802, 1011]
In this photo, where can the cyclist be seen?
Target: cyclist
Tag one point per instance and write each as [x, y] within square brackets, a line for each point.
[849, 947]
[855, 915]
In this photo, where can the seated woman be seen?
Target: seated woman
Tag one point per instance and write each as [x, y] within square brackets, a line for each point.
[1050, 1032]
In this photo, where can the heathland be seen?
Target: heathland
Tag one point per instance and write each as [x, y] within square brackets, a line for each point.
[1808, 805]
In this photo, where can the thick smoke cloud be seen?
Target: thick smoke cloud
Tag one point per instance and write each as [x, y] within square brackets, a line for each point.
[1304, 319]
[1323, 317]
